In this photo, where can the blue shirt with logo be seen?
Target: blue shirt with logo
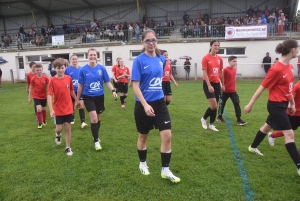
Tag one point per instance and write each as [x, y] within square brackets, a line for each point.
[93, 79]
[74, 74]
[149, 71]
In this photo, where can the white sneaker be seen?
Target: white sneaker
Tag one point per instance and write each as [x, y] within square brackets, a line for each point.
[271, 140]
[212, 127]
[98, 146]
[144, 169]
[204, 124]
[68, 151]
[58, 140]
[254, 150]
[83, 125]
[167, 174]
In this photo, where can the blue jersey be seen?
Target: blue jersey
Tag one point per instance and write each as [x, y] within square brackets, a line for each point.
[92, 80]
[149, 71]
[74, 74]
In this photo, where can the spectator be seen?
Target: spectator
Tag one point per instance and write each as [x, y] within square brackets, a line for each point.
[295, 24]
[250, 11]
[185, 18]
[65, 28]
[205, 17]
[19, 41]
[43, 31]
[130, 32]
[286, 11]
[137, 33]
[22, 32]
[266, 63]
[271, 24]
[280, 25]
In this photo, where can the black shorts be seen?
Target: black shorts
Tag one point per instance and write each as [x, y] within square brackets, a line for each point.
[145, 123]
[294, 121]
[62, 119]
[73, 100]
[278, 118]
[115, 84]
[42, 102]
[217, 89]
[122, 87]
[166, 86]
[94, 103]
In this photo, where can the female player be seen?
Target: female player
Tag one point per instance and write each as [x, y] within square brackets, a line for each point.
[90, 85]
[122, 75]
[212, 66]
[167, 76]
[150, 108]
[279, 82]
[73, 72]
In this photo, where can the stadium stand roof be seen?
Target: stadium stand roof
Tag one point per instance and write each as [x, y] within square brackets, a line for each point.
[9, 8]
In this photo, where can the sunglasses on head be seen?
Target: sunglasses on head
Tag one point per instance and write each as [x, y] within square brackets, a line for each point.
[148, 41]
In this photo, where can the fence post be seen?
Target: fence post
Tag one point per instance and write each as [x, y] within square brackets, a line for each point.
[12, 76]
[195, 71]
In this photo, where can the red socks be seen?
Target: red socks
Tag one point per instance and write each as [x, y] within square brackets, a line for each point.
[277, 134]
[44, 115]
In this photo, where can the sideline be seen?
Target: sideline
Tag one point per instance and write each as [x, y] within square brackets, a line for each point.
[238, 159]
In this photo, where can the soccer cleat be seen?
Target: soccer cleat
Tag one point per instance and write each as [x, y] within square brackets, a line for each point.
[167, 174]
[98, 146]
[271, 140]
[123, 105]
[241, 123]
[221, 120]
[68, 151]
[254, 150]
[58, 140]
[73, 122]
[212, 127]
[203, 122]
[83, 125]
[40, 126]
[44, 123]
[144, 169]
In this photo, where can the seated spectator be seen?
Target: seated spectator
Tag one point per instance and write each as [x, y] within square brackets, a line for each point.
[88, 37]
[43, 31]
[197, 30]
[92, 37]
[191, 29]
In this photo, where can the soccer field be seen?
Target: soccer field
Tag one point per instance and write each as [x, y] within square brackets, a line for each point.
[212, 165]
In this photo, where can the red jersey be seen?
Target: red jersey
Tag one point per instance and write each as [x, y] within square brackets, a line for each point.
[167, 72]
[213, 65]
[61, 89]
[30, 75]
[298, 63]
[39, 87]
[296, 93]
[229, 74]
[279, 82]
[114, 70]
[121, 71]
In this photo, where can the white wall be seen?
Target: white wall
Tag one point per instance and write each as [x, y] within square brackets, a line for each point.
[249, 65]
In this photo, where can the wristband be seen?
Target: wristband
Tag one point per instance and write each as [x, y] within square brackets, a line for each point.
[113, 91]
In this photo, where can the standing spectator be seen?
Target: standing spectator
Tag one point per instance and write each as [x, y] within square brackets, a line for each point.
[295, 24]
[51, 69]
[19, 42]
[266, 11]
[150, 108]
[212, 65]
[22, 32]
[279, 82]
[187, 68]
[65, 28]
[250, 11]
[266, 62]
[286, 11]
[130, 32]
[43, 31]
[280, 25]
[206, 17]
[60, 103]
[137, 33]
[0, 78]
[271, 24]
[90, 85]
[144, 19]
[185, 18]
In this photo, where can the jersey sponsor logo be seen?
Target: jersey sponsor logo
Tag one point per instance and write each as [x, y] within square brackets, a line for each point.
[155, 83]
[75, 82]
[145, 67]
[99, 72]
[68, 86]
[216, 70]
[95, 86]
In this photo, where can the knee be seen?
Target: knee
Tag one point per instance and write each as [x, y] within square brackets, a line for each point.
[289, 135]
[142, 138]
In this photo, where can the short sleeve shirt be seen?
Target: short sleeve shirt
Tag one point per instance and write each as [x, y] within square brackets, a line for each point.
[39, 90]
[213, 65]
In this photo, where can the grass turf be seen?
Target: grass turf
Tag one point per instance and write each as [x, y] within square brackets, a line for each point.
[34, 168]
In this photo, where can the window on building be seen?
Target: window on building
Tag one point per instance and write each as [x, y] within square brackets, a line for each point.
[134, 53]
[36, 58]
[228, 51]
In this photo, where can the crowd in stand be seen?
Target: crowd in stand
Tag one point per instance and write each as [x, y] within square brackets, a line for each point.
[278, 21]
